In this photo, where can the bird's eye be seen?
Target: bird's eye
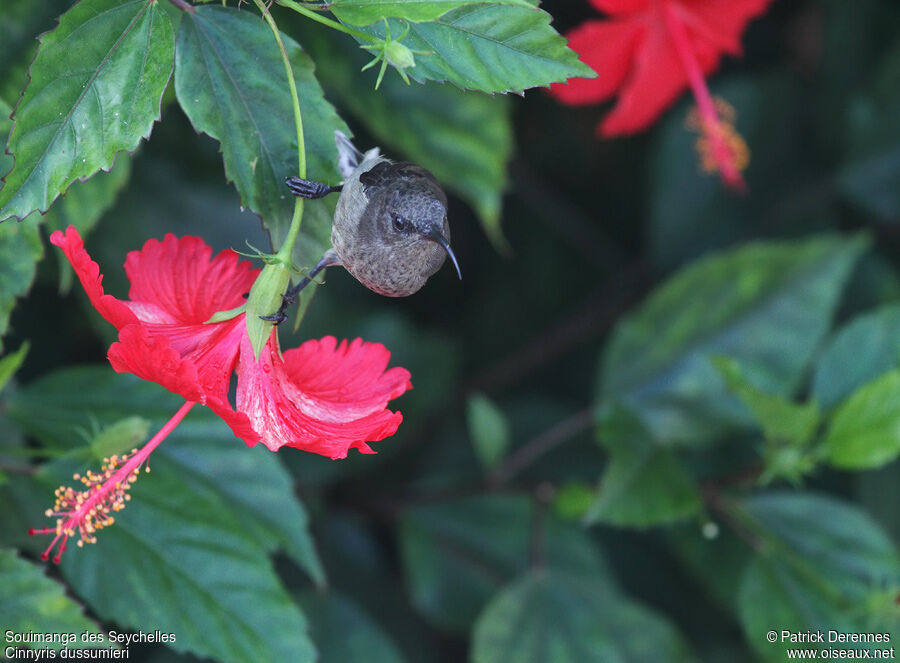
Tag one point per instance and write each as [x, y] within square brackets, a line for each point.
[398, 221]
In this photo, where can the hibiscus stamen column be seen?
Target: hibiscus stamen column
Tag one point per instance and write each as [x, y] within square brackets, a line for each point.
[721, 147]
[88, 511]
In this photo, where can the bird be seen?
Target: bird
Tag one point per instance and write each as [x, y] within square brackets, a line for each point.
[390, 227]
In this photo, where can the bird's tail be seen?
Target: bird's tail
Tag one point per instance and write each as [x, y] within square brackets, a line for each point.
[348, 156]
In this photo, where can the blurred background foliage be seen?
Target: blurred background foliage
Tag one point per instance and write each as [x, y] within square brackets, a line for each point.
[654, 421]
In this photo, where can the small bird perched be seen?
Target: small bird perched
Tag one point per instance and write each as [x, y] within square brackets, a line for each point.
[390, 226]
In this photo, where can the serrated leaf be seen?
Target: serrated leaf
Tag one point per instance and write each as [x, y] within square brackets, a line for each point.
[781, 419]
[644, 483]
[549, 616]
[343, 633]
[865, 429]
[32, 602]
[464, 139]
[489, 47]
[488, 429]
[177, 560]
[10, 363]
[766, 304]
[366, 12]
[230, 80]
[822, 565]
[860, 351]
[456, 557]
[255, 487]
[20, 251]
[95, 89]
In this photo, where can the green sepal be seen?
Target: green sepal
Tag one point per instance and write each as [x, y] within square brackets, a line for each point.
[222, 316]
[265, 299]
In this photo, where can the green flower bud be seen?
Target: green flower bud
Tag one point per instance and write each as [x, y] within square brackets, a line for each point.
[265, 299]
[398, 55]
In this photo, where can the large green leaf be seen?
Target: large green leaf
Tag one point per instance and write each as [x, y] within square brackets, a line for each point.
[861, 350]
[767, 305]
[32, 602]
[202, 453]
[464, 139]
[364, 12]
[343, 633]
[644, 483]
[230, 80]
[548, 616]
[865, 429]
[456, 556]
[489, 47]
[820, 565]
[185, 556]
[95, 89]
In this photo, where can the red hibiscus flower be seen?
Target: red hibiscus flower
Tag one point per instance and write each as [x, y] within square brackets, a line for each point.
[321, 397]
[648, 52]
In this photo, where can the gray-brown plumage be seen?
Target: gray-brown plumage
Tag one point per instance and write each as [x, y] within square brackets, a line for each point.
[390, 226]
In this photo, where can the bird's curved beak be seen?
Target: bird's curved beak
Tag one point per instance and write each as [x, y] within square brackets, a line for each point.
[435, 236]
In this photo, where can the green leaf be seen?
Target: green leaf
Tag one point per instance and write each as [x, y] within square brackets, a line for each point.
[821, 565]
[255, 487]
[95, 89]
[120, 437]
[32, 602]
[20, 250]
[644, 484]
[767, 305]
[365, 12]
[780, 418]
[549, 616]
[464, 139]
[489, 47]
[865, 430]
[860, 351]
[11, 363]
[230, 80]
[83, 205]
[343, 633]
[488, 429]
[456, 557]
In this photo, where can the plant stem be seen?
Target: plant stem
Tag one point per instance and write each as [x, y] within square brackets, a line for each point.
[287, 247]
[309, 13]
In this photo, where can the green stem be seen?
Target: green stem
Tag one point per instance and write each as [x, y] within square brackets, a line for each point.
[287, 248]
[309, 13]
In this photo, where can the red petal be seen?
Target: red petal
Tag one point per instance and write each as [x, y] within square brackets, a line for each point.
[721, 22]
[621, 6]
[607, 47]
[154, 360]
[174, 281]
[114, 311]
[323, 397]
[654, 83]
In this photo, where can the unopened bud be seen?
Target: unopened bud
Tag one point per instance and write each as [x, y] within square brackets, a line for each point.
[265, 299]
[398, 55]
